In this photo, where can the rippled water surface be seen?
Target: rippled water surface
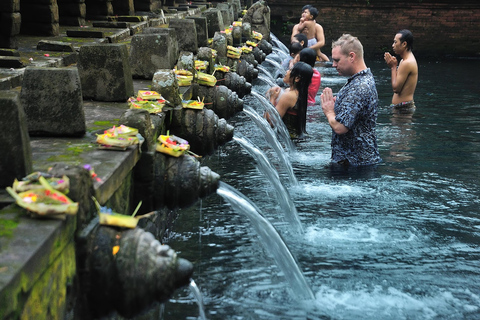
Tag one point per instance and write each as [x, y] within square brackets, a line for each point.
[400, 241]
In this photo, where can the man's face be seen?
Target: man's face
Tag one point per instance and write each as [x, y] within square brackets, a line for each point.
[397, 43]
[341, 62]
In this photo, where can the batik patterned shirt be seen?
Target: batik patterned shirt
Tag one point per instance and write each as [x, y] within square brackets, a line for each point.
[356, 108]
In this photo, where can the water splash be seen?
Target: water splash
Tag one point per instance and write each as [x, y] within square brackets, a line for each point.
[284, 198]
[272, 139]
[271, 240]
[198, 295]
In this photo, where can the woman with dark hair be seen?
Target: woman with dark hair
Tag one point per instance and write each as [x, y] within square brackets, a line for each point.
[309, 56]
[291, 104]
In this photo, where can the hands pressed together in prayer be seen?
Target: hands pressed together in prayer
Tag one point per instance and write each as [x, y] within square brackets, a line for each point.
[390, 60]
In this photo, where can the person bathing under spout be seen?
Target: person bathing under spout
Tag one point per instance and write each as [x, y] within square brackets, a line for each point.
[291, 104]
[405, 76]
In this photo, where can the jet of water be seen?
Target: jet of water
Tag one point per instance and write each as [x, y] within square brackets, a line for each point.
[276, 120]
[271, 239]
[283, 196]
[267, 80]
[272, 139]
[198, 295]
[278, 43]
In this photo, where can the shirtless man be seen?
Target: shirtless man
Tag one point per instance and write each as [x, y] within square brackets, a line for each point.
[312, 29]
[405, 76]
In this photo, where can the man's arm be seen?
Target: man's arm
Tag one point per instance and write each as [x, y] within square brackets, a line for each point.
[294, 32]
[400, 75]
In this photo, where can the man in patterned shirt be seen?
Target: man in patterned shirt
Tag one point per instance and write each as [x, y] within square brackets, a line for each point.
[353, 113]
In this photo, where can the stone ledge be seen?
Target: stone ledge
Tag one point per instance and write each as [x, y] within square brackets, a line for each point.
[31, 249]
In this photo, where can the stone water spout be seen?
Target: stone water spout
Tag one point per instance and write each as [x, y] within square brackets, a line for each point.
[126, 270]
[223, 101]
[180, 182]
[247, 70]
[234, 82]
[203, 129]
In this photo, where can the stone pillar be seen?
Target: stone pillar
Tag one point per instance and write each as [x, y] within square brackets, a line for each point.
[72, 12]
[99, 9]
[16, 159]
[202, 30]
[214, 21]
[40, 17]
[226, 9]
[10, 22]
[123, 7]
[52, 99]
[155, 49]
[105, 72]
[186, 34]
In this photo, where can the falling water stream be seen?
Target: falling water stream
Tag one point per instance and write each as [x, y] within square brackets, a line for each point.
[398, 241]
[283, 196]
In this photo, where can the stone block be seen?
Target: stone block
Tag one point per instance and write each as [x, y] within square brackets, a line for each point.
[202, 30]
[186, 34]
[105, 72]
[52, 100]
[10, 23]
[10, 6]
[16, 159]
[150, 52]
[214, 21]
[51, 45]
[11, 62]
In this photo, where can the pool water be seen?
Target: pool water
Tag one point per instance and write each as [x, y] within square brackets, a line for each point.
[398, 241]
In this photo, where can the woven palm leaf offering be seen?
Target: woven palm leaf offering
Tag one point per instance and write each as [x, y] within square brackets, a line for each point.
[118, 138]
[246, 49]
[172, 145]
[45, 201]
[151, 101]
[221, 67]
[193, 104]
[206, 79]
[201, 65]
[257, 35]
[184, 77]
[109, 218]
[233, 52]
[251, 43]
[31, 182]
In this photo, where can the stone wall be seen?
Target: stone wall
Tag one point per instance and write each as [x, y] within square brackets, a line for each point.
[440, 28]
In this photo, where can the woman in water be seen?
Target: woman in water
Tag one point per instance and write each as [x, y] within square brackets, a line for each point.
[291, 104]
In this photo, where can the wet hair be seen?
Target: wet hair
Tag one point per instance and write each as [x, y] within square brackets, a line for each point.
[304, 72]
[349, 43]
[301, 37]
[313, 12]
[309, 56]
[407, 36]
[295, 47]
